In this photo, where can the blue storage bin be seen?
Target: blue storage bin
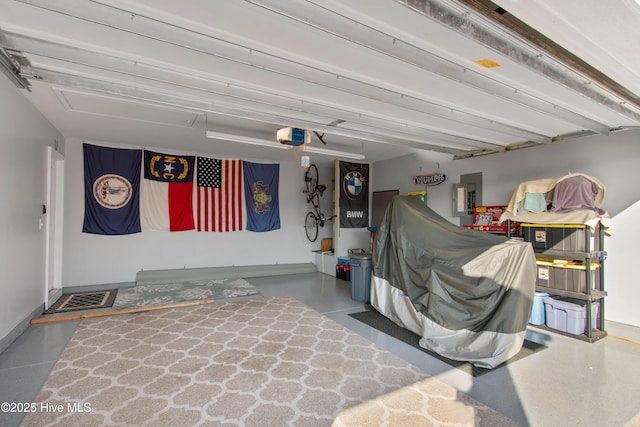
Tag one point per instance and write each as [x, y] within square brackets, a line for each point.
[537, 311]
[570, 314]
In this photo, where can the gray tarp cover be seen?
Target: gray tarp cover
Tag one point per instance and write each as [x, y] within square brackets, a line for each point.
[468, 294]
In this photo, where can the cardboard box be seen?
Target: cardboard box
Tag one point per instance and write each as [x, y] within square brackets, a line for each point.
[487, 215]
[487, 219]
[326, 244]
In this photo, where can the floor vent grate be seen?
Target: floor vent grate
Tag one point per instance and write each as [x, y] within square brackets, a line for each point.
[83, 301]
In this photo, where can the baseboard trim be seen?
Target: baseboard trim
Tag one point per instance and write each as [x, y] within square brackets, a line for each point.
[8, 339]
[151, 277]
[101, 287]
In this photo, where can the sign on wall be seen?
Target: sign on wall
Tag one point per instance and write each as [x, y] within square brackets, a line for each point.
[429, 179]
[354, 195]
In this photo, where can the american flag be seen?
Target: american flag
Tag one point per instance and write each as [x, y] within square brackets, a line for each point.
[220, 202]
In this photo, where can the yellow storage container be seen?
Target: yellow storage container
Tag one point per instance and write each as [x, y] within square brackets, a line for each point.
[564, 275]
[544, 275]
[572, 276]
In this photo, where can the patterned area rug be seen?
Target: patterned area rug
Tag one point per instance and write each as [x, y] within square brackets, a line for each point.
[255, 362]
[149, 295]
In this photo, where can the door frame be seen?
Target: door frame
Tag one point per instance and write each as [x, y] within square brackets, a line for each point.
[53, 220]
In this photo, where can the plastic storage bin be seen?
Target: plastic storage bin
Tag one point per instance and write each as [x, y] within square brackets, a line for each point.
[569, 314]
[564, 275]
[572, 276]
[544, 276]
[560, 237]
[361, 265]
[343, 272]
[343, 261]
[537, 310]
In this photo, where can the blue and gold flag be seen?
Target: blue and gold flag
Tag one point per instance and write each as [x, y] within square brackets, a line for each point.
[111, 190]
[261, 196]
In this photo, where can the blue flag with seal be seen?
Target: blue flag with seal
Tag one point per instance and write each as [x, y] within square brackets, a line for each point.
[261, 196]
[111, 190]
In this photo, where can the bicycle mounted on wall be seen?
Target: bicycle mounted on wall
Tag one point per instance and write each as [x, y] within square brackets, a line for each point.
[314, 191]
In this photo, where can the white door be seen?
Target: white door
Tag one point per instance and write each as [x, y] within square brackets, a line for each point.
[53, 226]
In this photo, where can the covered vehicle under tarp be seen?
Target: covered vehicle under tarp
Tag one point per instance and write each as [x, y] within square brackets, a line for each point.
[466, 293]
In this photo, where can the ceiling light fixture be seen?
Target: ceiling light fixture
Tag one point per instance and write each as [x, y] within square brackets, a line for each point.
[274, 144]
[333, 153]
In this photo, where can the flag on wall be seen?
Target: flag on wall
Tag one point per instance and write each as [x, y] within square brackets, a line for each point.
[261, 196]
[166, 194]
[111, 190]
[219, 205]
[354, 195]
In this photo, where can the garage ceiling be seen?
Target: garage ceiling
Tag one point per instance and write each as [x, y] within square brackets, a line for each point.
[381, 78]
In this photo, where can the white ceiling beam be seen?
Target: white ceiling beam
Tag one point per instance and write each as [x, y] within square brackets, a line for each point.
[117, 69]
[357, 32]
[212, 67]
[210, 101]
[177, 100]
[465, 20]
[112, 17]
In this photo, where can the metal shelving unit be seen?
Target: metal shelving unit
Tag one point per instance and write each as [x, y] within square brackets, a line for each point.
[595, 290]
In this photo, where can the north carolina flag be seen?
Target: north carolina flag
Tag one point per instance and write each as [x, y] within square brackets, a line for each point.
[219, 205]
[166, 193]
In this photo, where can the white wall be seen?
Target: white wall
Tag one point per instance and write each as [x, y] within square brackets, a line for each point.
[327, 204]
[25, 136]
[622, 279]
[613, 159]
[93, 259]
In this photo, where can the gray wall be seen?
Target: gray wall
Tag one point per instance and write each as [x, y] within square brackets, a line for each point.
[614, 160]
[25, 136]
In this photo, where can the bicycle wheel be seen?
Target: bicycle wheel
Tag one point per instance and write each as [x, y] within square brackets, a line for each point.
[311, 226]
[311, 178]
